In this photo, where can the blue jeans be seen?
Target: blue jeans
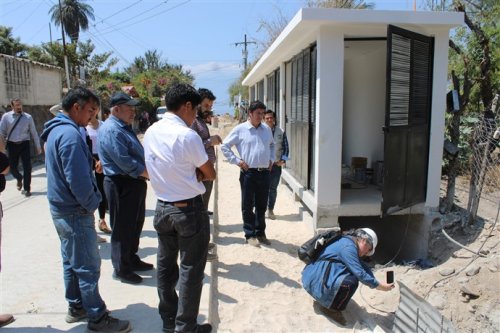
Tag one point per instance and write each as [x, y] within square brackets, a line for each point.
[274, 180]
[184, 231]
[254, 193]
[81, 262]
[344, 294]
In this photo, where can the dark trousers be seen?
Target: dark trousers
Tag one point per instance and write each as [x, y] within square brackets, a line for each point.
[274, 180]
[346, 291]
[103, 205]
[127, 208]
[209, 184]
[184, 231]
[16, 151]
[254, 193]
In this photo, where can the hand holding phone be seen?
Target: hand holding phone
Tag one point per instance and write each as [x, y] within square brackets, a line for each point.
[390, 277]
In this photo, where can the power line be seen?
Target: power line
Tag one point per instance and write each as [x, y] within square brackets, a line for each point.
[118, 12]
[125, 21]
[97, 38]
[129, 24]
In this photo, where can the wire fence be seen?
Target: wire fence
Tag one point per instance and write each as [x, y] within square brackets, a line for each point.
[477, 183]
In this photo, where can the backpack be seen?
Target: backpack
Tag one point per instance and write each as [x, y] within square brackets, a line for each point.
[310, 250]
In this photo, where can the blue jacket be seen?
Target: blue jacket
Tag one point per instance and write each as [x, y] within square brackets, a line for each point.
[71, 185]
[345, 253]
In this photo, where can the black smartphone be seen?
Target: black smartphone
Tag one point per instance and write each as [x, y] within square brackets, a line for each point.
[390, 276]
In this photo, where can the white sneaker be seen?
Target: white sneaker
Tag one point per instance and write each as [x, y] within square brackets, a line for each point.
[270, 214]
[253, 241]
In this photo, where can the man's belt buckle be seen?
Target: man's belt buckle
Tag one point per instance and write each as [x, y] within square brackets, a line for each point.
[180, 204]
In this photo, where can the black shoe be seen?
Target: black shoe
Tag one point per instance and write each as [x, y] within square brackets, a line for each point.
[108, 324]
[210, 213]
[204, 328]
[75, 314]
[263, 240]
[27, 194]
[127, 277]
[141, 266]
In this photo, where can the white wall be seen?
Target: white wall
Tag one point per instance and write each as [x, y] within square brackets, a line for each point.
[329, 106]
[364, 100]
[33, 83]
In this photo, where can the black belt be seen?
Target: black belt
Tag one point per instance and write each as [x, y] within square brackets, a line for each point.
[258, 169]
[128, 177]
[18, 142]
[182, 203]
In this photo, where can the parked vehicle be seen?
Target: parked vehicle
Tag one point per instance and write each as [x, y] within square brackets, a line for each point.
[160, 112]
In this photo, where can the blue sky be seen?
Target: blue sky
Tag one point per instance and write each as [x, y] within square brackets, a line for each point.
[198, 34]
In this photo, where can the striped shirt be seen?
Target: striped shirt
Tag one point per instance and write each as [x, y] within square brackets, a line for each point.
[200, 127]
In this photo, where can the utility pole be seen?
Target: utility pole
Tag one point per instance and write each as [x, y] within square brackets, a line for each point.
[66, 66]
[245, 52]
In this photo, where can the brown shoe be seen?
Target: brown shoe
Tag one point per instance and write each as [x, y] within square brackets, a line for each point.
[6, 319]
[104, 227]
[335, 315]
[19, 185]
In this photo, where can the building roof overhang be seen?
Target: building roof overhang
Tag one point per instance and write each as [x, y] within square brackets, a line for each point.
[304, 28]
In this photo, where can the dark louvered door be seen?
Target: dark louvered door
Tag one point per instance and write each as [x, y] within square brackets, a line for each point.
[408, 108]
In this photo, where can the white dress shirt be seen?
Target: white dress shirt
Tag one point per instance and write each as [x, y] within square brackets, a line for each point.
[173, 151]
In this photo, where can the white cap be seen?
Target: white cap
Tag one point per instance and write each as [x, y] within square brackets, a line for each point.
[374, 238]
[56, 109]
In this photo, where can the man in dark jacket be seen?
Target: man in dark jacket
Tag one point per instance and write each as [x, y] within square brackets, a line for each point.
[73, 197]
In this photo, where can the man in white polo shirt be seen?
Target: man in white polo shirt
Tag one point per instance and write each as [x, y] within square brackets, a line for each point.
[177, 164]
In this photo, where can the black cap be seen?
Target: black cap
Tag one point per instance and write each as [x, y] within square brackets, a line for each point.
[122, 98]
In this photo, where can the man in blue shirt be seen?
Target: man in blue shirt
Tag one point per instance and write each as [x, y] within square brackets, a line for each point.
[255, 145]
[122, 159]
[73, 197]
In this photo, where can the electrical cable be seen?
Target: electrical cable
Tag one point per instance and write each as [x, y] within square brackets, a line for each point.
[129, 24]
[27, 18]
[471, 261]
[402, 240]
[118, 12]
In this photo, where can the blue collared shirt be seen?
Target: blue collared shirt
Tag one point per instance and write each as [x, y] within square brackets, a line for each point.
[120, 151]
[255, 145]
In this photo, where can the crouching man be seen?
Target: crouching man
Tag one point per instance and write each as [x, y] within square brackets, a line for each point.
[333, 278]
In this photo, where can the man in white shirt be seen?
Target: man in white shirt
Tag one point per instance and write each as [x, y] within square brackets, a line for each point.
[177, 164]
[255, 144]
[16, 128]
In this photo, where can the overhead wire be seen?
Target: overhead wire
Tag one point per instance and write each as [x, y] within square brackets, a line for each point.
[127, 20]
[129, 24]
[27, 18]
[118, 12]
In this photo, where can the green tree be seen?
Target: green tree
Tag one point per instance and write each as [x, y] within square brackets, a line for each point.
[74, 15]
[474, 64]
[11, 45]
[352, 4]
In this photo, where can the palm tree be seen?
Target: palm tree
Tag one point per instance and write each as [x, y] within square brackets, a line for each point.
[74, 14]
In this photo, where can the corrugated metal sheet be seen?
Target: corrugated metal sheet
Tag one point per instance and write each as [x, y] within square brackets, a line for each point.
[415, 314]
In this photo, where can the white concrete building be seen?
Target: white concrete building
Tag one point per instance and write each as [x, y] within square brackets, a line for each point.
[361, 83]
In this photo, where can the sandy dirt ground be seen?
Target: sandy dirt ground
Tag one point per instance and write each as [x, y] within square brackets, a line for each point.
[259, 289]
